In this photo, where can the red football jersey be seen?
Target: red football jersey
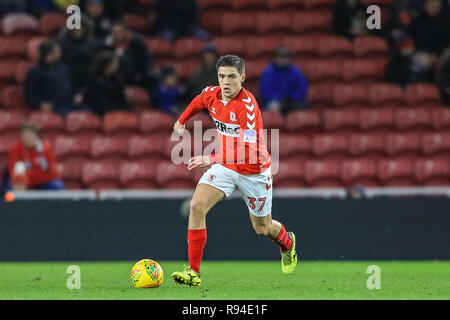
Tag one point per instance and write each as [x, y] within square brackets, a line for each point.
[239, 124]
[40, 163]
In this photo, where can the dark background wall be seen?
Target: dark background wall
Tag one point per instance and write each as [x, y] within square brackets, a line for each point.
[408, 228]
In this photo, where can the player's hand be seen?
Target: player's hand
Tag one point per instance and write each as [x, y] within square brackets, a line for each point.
[178, 128]
[199, 162]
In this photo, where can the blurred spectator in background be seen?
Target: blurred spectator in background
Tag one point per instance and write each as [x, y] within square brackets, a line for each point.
[349, 18]
[206, 75]
[356, 192]
[283, 86]
[49, 85]
[169, 94]
[399, 18]
[176, 19]
[104, 91]
[136, 62]
[78, 48]
[10, 6]
[102, 24]
[63, 4]
[398, 69]
[32, 164]
[114, 9]
[431, 28]
[444, 76]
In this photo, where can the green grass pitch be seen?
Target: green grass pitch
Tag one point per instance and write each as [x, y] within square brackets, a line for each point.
[232, 281]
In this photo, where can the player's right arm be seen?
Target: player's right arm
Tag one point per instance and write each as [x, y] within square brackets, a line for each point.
[192, 109]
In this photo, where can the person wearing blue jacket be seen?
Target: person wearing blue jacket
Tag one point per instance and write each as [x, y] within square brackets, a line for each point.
[283, 86]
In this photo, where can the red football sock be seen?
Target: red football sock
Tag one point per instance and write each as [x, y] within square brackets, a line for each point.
[283, 240]
[196, 243]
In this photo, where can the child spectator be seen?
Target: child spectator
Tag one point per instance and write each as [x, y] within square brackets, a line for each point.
[169, 93]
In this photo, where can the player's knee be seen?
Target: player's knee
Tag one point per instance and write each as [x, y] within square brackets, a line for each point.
[261, 229]
[197, 208]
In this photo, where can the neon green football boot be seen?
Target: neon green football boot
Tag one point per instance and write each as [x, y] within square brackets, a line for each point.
[289, 257]
[188, 277]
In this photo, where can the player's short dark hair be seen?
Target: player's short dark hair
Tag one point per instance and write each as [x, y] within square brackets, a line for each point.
[231, 61]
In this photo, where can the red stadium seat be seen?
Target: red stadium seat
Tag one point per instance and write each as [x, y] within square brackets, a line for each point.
[156, 122]
[321, 94]
[441, 118]
[304, 121]
[254, 69]
[319, 4]
[272, 119]
[350, 94]
[340, 120]
[211, 20]
[334, 47]
[230, 45]
[13, 97]
[262, 46]
[396, 172]
[370, 47]
[359, 70]
[285, 4]
[83, 123]
[159, 47]
[20, 23]
[367, 146]
[359, 172]
[8, 70]
[436, 144]
[72, 148]
[249, 4]
[323, 70]
[172, 176]
[412, 119]
[186, 68]
[137, 95]
[376, 119]
[239, 22]
[51, 23]
[274, 21]
[313, 23]
[48, 123]
[188, 48]
[404, 145]
[137, 175]
[385, 95]
[100, 175]
[322, 173]
[289, 175]
[422, 93]
[301, 46]
[294, 147]
[108, 148]
[11, 121]
[22, 70]
[331, 146]
[70, 171]
[146, 147]
[13, 47]
[120, 123]
[432, 172]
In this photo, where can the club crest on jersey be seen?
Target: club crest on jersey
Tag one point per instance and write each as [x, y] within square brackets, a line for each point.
[211, 178]
[227, 129]
[233, 117]
[213, 110]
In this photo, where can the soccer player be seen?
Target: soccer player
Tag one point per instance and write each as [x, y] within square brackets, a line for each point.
[241, 162]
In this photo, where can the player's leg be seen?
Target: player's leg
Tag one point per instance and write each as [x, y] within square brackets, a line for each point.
[257, 193]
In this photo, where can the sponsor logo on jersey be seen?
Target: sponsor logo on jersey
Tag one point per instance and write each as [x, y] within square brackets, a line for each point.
[250, 136]
[227, 129]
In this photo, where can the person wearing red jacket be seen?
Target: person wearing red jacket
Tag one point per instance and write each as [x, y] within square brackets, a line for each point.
[32, 164]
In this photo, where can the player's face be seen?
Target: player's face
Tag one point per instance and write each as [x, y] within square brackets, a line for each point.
[230, 82]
